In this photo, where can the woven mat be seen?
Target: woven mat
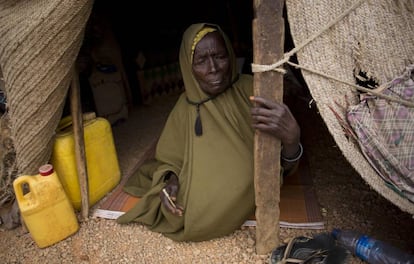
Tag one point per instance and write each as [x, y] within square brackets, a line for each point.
[299, 207]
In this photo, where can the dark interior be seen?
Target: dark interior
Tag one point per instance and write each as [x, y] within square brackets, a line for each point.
[153, 30]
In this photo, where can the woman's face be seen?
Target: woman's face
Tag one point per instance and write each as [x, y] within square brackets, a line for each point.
[211, 64]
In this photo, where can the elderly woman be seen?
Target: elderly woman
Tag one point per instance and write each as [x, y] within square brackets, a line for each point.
[200, 184]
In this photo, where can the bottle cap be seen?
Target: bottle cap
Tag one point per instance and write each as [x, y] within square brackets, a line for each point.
[46, 169]
[335, 232]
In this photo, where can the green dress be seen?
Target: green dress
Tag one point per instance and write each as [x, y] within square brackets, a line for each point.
[215, 170]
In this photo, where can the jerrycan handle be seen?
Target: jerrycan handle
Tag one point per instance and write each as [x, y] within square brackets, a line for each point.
[66, 122]
[18, 186]
[44, 170]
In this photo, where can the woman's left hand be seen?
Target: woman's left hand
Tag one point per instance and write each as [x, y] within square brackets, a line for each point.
[277, 120]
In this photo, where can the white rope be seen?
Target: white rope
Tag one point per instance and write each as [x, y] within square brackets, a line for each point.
[360, 88]
[276, 66]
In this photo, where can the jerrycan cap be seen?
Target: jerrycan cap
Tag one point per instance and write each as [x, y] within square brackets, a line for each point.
[46, 169]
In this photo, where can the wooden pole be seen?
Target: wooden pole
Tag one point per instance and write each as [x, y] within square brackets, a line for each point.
[77, 123]
[268, 47]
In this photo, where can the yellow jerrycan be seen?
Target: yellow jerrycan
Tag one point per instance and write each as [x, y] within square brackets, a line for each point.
[46, 210]
[101, 158]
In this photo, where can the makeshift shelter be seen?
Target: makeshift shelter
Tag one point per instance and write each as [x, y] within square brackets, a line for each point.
[41, 39]
[372, 38]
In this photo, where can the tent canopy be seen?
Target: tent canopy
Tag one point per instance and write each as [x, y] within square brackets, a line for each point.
[40, 41]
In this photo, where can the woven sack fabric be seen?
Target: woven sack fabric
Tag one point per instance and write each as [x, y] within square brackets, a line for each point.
[39, 43]
[385, 133]
[375, 37]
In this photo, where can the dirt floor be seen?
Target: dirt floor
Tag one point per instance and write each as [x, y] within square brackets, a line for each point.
[346, 202]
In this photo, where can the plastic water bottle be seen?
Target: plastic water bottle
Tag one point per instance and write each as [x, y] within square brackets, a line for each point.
[370, 249]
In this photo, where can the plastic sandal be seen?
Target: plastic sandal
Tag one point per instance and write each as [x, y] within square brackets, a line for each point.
[321, 249]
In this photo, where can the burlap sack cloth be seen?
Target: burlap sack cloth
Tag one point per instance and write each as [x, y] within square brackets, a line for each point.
[342, 39]
[39, 43]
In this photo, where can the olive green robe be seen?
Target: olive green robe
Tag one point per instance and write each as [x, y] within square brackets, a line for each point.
[215, 170]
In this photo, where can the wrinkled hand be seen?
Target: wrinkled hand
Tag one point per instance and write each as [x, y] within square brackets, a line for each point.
[171, 188]
[277, 120]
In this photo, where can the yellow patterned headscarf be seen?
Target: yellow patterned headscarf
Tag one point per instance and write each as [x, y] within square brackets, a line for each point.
[204, 31]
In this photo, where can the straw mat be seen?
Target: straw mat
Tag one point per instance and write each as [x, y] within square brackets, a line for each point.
[299, 206]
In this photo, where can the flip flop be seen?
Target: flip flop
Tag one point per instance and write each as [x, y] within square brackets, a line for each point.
[321, 249]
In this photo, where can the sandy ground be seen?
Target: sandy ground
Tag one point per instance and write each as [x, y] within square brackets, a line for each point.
[346, 202]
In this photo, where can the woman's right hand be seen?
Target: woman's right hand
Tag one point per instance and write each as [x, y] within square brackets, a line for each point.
[168, 195]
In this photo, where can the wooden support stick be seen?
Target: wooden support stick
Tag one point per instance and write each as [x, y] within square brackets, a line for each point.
[268, 45]
[77, 122]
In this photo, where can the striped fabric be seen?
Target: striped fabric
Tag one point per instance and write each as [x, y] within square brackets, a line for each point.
[385, 133]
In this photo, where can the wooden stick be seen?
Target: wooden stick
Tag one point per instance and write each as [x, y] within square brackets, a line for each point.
[77, 122]
[268, 45]
[169, 198]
